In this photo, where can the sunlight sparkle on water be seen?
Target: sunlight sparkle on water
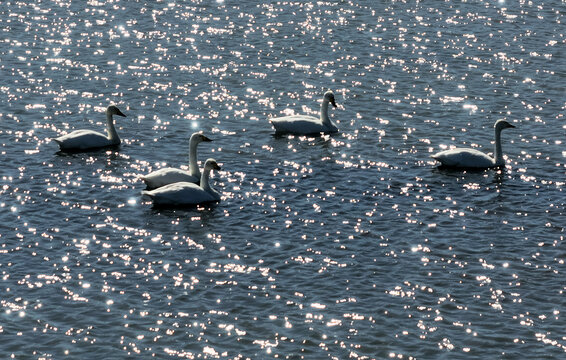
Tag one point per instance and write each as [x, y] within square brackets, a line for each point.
[471, 108]
[362, 214]
[318, 306]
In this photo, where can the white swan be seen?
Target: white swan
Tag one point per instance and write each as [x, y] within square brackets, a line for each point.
[186, 193]
[81, 140]
[170, 175]
[305, 124]
[472, 158]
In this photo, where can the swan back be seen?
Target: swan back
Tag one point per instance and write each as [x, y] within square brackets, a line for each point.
[180, 193]
[464, 158]
[81, 140]
[167, 176]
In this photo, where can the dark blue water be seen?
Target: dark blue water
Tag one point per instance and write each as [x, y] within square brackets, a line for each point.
[346, 246]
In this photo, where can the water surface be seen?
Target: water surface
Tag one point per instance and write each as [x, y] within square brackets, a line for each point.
[346, 246]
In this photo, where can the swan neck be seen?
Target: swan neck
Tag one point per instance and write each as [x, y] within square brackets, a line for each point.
[324, 112]
[498, 153]
[204, 184]
[193, 166]
[112, 134]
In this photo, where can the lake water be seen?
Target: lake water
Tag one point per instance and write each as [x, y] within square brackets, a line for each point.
[347, 246]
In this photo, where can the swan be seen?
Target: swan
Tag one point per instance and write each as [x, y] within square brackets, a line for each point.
[305, 124]
[187, 193]
[82, 140]
[472, 158]
[170, 175]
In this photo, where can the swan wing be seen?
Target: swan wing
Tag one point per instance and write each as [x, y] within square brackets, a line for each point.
[82, 140]
[167, 176]
[299, 125]
[464, 158]
[181, 193]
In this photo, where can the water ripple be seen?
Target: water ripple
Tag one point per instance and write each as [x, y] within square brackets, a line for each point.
[351, 245]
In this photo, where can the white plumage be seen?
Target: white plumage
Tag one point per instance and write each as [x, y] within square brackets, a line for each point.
[472, 158]
[170, 175]
[84, 140]
[306, 124]
[186, 193]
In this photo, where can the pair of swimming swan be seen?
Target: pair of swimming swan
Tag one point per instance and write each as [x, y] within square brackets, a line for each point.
[458, 158]
[187, 193]
[84, 140]
[172, 186]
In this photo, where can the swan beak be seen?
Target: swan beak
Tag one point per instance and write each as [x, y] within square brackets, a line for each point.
[118, 112]
[333, 102]
[204, 138]
[511, 125]
[217, 167]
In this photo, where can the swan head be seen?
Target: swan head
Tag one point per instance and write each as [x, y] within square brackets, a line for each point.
[329, 96]
[502, 124]
[113, 110]
[198, 138]
[211, 164]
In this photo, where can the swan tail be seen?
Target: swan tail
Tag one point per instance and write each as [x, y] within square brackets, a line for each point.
[147, 183]
[148, 194]
[58, 141]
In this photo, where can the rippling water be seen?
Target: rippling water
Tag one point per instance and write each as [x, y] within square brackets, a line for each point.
[349, 246]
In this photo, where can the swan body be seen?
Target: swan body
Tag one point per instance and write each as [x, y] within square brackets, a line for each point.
[170, 175]
[187, 193]
[472, 158]
[83, 140]
[305, 124]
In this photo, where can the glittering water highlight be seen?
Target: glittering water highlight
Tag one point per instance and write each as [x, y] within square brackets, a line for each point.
[346, 246]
